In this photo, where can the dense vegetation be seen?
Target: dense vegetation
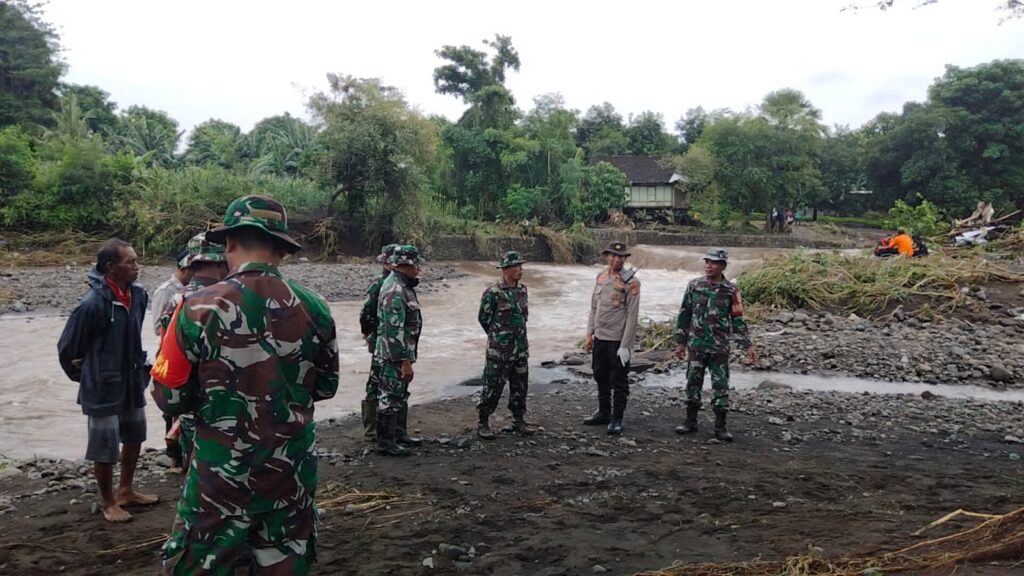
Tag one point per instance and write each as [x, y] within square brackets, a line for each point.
[70, 159]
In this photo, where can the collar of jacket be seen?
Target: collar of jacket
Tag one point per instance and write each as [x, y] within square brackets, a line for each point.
[98, 282]
[261, 267]
[410, 282]
[505, 285]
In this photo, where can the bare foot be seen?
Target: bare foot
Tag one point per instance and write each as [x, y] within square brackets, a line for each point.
[114, 513]
[134, 498]
[175, 470]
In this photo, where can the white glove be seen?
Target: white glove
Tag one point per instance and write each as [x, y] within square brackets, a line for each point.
[623, 354]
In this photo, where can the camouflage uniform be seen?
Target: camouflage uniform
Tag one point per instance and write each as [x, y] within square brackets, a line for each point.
[368, 326]
[503, 315]
[263, 349]
[709, 314]
[398, 331]
[199, 250]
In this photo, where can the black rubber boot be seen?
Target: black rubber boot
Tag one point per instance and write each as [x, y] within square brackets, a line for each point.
[615, 426]
[690, 424]
[519, 426]
[386, 445]
[401, 433]
[603, 414]
[720, 430]
[483, 428]
[369, 408]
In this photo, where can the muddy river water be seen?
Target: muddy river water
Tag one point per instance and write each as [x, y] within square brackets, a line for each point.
[39, 416]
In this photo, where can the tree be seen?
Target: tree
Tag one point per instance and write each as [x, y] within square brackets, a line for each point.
[214, 142]
[287, 148]
[95, 105]
[150, 135]
[469, 71]
[29, 68]
[601, 132]
[375, 153]
[796, 139]
[843, 170]
[604, 187]
[17, 163]
[646, 135]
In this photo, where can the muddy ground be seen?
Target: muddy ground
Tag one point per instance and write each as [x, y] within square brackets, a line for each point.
[846, 474]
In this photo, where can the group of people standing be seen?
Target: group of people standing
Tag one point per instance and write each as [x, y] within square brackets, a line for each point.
[245, 353]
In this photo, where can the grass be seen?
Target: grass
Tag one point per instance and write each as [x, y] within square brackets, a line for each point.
[868, 287]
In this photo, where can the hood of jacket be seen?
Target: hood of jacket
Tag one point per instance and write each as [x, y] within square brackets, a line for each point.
[98, 282]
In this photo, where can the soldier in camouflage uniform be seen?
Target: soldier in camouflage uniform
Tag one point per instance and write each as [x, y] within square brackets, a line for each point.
[398, 335]
[209, 265]
[368, 326]
[711, 311]
[503, 315]
[264, 350]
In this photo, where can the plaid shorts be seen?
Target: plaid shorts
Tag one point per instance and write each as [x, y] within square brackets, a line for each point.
[107, 433]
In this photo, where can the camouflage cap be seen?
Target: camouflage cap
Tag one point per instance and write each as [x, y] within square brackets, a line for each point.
[385, 253]
[510, 258]
[202, 250]
[260, 212]
[405, 254]
[717, 255]
[617, 248]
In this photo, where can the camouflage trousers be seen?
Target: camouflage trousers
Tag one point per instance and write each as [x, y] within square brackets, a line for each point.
[187, 440]
[281, 541]
[392, 391]
[717, 363]
[373, 381]
[496, 372]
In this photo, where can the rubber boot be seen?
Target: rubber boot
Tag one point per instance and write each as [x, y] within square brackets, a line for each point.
[401, 433]
[386, 445]
[603, 414]
[369, 408]
[519, 426]
[483, 428]
[720, 430]
[615, 426]
[690, 424]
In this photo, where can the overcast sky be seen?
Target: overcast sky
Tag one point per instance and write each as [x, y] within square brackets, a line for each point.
[241, 61]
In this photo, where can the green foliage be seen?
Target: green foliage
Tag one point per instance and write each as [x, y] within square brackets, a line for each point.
[647, 137]
[29, 67]
[921, 220]
[604, 187]
[75, 187]
[17, 163]
[214, 142]
[150, 135]
[99, 112]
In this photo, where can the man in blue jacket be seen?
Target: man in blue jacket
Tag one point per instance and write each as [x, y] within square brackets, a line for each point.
[101, 349]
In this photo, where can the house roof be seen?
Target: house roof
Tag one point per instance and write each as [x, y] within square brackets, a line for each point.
[642, 170]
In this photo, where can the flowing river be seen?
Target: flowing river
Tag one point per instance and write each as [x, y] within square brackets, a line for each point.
[39, 416]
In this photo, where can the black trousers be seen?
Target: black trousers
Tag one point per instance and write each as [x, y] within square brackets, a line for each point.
[611, 375]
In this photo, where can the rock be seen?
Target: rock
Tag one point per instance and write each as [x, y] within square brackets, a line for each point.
[775, 421]
[999, 373]
[953, 370]
[450, 551]
[773, 385]
[640, 365]
[800, 317]
[9, 471]
[95, 508]
[1014, 456]
[598, 569]
[1010, 439]
[784, 317]
[164, 461]
[472, 382]
[595, 452]
[19, 307]
[779, 504]
[428, 562]
[872, 572]
[981, 294]
[927, 395]
[574, 361]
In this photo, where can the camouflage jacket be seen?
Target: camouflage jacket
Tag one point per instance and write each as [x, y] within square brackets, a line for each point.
[399, 320]
[503, 315]
[709, 314]
[368, 315]
[164, 318]
[264, 351]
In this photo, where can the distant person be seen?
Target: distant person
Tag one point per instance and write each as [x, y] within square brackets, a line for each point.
[611, 328]
[263, 349]
[163, 294]
[368, 326]
[789, 216]
[796, 217]
[903, 243]
[710, 314]
[400, 323]
[503, 314]
[920, 247]
[101, 349]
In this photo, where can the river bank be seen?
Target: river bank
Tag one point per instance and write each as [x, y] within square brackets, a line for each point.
[839, 473]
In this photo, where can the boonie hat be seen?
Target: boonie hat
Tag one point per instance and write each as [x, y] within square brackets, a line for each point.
[260, 212]
[510, 258]
[717, 255]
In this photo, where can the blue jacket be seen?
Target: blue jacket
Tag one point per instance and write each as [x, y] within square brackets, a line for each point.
[108, 338]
